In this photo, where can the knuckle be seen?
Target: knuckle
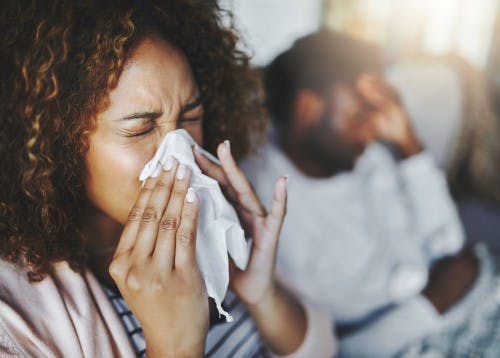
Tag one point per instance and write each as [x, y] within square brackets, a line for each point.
[169, 223]
[158, 285]
[149, 184]
[186, 238]
[149, 215]
[135, 214]
[163, 182]
[133, 281]
[178, 192]
[118, 268]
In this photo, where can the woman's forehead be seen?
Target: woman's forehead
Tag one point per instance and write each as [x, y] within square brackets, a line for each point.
[155, 54]
[155, 68]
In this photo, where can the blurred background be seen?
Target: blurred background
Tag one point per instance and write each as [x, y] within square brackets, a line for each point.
[458, 123]
[402, 27]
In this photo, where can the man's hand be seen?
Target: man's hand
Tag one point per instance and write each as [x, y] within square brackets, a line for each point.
[388, 118]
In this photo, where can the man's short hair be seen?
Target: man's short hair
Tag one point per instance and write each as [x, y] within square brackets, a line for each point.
[316, 62]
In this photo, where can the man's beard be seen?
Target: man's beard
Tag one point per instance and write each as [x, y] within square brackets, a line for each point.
[329, 151]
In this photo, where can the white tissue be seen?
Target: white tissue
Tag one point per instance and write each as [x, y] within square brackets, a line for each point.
[219, 231]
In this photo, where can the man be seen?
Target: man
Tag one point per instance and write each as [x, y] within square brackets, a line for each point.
[369, 214]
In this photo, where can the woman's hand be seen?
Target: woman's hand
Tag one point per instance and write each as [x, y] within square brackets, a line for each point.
[257, 281]
[155, 268]
[273, 309]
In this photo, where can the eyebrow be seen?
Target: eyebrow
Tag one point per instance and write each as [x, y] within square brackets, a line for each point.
[141, 115]
[152, 115]
[190, 106]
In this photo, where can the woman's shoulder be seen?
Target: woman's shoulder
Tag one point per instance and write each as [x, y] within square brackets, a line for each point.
[15, 284]
[8, 275]
[13, 280]
[19, 303]
[64, 314]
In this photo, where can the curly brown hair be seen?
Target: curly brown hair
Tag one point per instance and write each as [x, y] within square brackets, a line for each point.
[60, 59]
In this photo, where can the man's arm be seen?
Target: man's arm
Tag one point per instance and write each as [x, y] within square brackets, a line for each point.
[435, 218]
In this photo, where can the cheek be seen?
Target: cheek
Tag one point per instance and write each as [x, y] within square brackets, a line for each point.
[112, 184]
[349, 122]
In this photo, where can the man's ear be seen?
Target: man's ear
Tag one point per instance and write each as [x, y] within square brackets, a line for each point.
[309, 108]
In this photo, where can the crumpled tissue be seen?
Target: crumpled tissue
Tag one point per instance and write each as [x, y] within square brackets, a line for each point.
[219, 231]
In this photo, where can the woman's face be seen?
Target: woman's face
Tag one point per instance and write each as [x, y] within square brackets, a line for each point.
[156, 93]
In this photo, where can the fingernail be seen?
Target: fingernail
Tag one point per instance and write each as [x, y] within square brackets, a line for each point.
[227, 144]
[191, 195]
[156, 172]
[169, 163]
[286, 177]
[181, 172]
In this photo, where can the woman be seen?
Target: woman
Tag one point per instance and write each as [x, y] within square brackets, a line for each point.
[90, 90]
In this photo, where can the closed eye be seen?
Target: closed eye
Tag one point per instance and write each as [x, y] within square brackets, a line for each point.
[142, 123]
[143, 132]
[140, 131]
[190, 120]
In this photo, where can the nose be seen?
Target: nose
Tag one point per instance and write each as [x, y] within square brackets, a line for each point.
[158, 136]
[163, 130]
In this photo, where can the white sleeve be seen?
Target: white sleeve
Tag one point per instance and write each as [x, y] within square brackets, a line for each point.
[436, 217]
[406, 323]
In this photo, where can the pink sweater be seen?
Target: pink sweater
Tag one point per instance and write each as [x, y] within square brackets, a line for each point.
[68, 315]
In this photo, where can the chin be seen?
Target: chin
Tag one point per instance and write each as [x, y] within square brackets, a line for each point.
[342, 166]
[349, 162]
[359, 151]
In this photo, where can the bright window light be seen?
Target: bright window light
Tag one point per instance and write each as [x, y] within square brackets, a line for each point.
[411, 26]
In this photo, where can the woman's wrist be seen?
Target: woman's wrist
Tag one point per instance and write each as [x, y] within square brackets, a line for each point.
[266, 302]
[278, 312]
[165, 342]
